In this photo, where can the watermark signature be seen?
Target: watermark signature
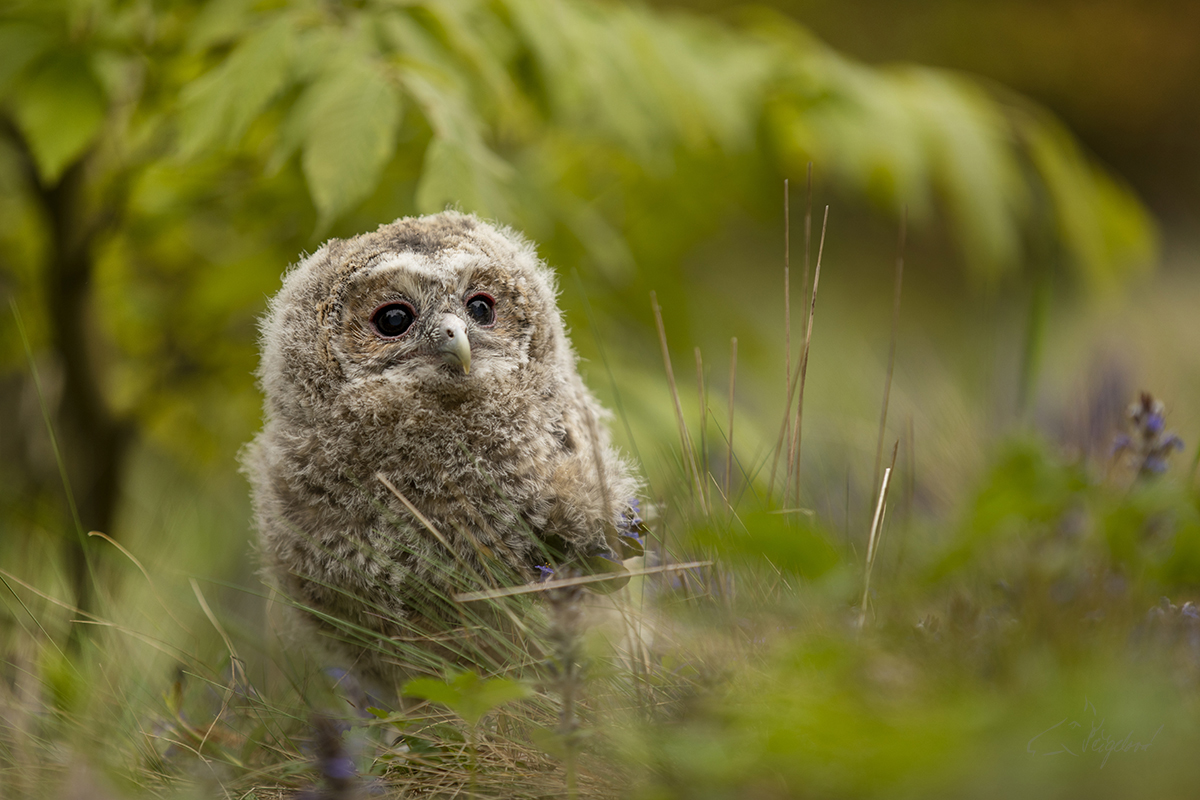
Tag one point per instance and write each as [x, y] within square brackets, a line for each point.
[1096, 740]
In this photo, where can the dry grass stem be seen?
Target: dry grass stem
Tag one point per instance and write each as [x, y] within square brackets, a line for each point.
[8, 576]
[787, 303]
[732, 383]
[703, 396]
[807, 232]
[887, 384]
[873, 537]
[149, 581]
[236, 673]
[530, 588]
[689, 456]
[213, 619]
[798, 376]
[810, 317]
[793, 458]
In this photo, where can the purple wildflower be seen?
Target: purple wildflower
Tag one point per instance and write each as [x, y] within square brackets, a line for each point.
[1149, 444]
[339, 778]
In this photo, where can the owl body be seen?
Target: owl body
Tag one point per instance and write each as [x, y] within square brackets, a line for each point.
[426, 362]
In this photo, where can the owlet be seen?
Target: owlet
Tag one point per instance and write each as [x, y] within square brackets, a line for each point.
[426, 432]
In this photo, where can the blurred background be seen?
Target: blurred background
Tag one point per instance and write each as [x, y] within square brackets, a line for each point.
[1119, 74]
[162, 163]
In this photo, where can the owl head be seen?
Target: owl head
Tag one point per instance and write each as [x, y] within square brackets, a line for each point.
[436, 306]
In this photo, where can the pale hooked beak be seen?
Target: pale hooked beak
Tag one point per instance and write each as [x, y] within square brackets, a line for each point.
[451, 339]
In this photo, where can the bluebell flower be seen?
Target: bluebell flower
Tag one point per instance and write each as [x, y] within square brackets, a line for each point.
[1155, 465]
[1152, 424]
[1148, 444]
[339, 778]
[339, 768]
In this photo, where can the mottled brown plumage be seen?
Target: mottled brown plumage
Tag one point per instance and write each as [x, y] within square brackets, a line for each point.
[499, 458]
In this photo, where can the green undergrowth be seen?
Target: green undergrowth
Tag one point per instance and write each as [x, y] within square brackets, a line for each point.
[1037, 642]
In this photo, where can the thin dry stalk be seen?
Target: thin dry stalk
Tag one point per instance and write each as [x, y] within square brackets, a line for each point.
[689, 456]
[732, 383]
[149, 581]
[610, 531]
[873, 538]
[8, 576]
[810, 317]
[235, 663]
[787, 302]
[798, 377]
[793, 458]
[212, 618]
[530, 588]
[887, 384]
[910, 470]
[807, 232]
[703, 394]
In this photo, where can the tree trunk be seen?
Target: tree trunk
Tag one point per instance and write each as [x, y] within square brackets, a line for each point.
[92, 441]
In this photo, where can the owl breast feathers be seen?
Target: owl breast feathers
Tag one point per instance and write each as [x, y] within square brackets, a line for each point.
[426, 362]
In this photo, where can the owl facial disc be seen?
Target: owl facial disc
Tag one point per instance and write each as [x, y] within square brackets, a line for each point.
[452, 343]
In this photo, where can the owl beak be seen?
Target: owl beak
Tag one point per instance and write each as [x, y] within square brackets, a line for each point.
[452, 343]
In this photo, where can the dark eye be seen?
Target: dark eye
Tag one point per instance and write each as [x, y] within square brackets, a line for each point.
[394, 319]
[482, 309]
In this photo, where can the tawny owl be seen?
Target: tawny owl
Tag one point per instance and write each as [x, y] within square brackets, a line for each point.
[426, 431]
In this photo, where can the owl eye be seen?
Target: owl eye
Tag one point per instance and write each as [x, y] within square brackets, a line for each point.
[394, 319]
[482, 309]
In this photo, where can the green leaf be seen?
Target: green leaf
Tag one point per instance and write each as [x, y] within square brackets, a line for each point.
[467, 694]
[219, 21]
[20, 44]
[964, 136]
[459, 168]
[432, 689]
[464, 174]
[1103, 228]
[794, 545]
[348, 120]
[494, 693]
[59, 108]
[219, 106]
[481, 44]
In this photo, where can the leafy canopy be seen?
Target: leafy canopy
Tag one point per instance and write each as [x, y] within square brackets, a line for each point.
[214, 141]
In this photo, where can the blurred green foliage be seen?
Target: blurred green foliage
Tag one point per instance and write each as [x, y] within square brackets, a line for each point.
[1120, 73]
[1061, 517]
[798, 547]
[1038, 609]
[160, 163]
